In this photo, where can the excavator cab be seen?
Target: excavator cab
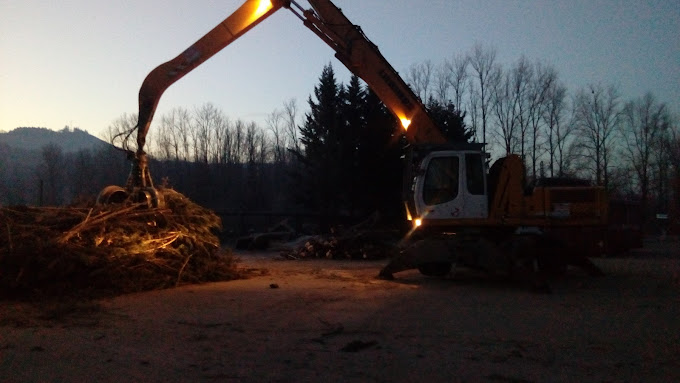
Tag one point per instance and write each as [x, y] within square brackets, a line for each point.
[448, 182]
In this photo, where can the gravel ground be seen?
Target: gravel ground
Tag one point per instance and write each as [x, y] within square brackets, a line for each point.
[310, 321]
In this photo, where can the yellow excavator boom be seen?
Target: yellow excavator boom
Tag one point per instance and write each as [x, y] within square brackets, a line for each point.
[158, 80]
[327, 21]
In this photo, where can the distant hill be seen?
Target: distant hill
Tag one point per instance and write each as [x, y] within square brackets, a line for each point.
[70, 140]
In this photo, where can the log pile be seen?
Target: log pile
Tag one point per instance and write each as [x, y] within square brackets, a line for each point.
[361, 241]
[334, 247]
[281, 232]
[109, 250]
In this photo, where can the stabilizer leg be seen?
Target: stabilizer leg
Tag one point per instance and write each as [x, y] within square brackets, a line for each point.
[428, 251]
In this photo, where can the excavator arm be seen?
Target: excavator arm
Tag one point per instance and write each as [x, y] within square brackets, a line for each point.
[362, 57]
[327, 21]
[158, 80]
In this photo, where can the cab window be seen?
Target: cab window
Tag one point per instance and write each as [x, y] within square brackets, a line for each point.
[474, 173]
[441, 180]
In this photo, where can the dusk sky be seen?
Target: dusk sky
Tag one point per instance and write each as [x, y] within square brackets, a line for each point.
[81, 62]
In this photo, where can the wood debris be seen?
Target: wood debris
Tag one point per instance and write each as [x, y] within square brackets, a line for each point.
[361, 241]
[110, 249]
[261, 241]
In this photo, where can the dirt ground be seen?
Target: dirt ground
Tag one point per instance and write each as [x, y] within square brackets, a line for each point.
[311, 321]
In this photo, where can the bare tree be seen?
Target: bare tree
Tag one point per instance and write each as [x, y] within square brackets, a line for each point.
[251, 141]
[673, 150]
[165, 138]
[220, 132]
[419, 77]
[121, 132]
[442, 83]
[673, 142]
[5, 159]
[290, 111]
[230, 142]
[238, 142]
[485, 72]
[51, 175]
[458, 76]
[81, 174]
[171, 137]
[505, 107]
[644, 124]
[539, 87]
[667, 168]
[275, 125]
[264, 150]
[522, 77]
[182, 129]
[557, 132]
[509, 105]
[206, 119]
[596, 111]
[473, 111]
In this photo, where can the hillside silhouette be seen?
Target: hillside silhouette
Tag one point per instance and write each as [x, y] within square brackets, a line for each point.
[46, 167]
[68, 139]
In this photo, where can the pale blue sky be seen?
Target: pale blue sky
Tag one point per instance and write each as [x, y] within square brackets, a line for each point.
[81, 62]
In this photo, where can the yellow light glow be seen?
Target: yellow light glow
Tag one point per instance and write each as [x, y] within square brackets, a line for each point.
[408, 211]
[263, 7]
[417, 222]
[405, 122]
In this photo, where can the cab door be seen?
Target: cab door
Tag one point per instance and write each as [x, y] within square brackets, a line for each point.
[452, 185]
[438, 191]
[476, 198]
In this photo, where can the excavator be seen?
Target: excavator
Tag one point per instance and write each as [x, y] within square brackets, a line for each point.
[462, 212]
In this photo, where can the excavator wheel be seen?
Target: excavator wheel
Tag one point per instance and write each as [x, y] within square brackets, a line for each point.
[435, 269]
[112, 194]
[431, 257]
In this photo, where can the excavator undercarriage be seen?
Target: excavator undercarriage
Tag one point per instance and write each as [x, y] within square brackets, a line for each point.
[531, 259]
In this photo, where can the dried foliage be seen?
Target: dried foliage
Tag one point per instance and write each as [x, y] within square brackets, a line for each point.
[361, 246]
[109, 250]
[365, 240]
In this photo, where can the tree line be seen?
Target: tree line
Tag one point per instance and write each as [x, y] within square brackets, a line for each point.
[631, 147]
[341, 157]
[51, 176]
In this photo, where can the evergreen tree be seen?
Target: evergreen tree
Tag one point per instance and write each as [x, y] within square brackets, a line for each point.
[349, 161]
[319, 174]
[380, 150]
[450, 120]
[353, 101]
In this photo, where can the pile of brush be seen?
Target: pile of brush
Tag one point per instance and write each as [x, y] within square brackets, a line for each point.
[361, 241]
[110, 249]
[338, 247]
